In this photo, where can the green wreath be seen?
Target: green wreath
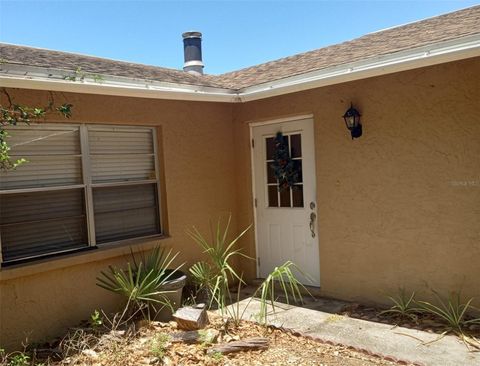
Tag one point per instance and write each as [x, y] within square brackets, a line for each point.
[285, 169]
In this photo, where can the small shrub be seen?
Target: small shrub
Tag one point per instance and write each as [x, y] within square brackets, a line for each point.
[216, 275]
[207, 337]
[19, 359]
[159, 345]
[452, 311]
[96, 319]
[289, 285]
[141, 283]
[217, 356]
[403, 305]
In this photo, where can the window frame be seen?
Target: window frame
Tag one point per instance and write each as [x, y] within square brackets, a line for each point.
[87, 183]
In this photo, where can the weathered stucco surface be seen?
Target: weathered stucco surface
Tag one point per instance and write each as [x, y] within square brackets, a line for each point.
[197, 145]
[399, 206]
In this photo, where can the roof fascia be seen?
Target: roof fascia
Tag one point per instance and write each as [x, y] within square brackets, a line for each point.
[433, 54]
[30, 77]
[21, 76]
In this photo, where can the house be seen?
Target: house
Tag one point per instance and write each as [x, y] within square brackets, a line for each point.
[149, 152]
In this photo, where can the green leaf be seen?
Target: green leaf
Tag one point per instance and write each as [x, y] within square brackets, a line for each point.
[215, 275]
[141, 283]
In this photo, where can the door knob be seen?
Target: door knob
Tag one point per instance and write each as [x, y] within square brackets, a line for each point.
[312, 223]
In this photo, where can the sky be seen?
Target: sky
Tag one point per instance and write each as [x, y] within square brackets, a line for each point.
[236, 34]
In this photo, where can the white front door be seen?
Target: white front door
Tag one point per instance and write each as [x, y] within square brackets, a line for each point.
[286, 225]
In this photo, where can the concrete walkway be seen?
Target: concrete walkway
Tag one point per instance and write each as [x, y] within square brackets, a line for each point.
[394, 343]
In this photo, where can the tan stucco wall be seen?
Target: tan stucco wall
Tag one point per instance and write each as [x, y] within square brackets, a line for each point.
[198, 159]
[399, 206]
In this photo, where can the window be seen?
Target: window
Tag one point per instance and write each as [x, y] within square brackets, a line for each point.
[83, 186]
[293, 196]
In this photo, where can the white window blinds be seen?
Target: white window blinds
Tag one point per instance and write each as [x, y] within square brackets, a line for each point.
[83, 185]
[53, 155]
[119, 155]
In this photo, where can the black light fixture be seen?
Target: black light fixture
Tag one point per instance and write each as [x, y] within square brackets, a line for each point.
[352, 121]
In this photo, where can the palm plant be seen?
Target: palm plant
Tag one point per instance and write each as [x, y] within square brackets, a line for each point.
[289, 285]
[141, 283]
[452, 311]
[403, 305]
[267, 293]
[216, 275]
[202, 275]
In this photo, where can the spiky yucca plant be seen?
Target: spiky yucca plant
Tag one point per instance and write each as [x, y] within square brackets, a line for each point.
[217, 274]
[403, 305]
[452, 311]
[290, 287]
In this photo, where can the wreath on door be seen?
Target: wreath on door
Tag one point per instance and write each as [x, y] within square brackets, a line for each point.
[285, 169]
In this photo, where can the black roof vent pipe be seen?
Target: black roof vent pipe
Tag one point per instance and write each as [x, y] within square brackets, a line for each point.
[192, 50]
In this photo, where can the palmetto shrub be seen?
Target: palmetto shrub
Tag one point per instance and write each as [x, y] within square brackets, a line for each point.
[142, 281]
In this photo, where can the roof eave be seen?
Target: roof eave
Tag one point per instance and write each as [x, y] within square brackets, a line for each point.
[37, 78]
[21, 76]
[432, 54]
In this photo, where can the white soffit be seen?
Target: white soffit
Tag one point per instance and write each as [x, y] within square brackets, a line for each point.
[21, 76]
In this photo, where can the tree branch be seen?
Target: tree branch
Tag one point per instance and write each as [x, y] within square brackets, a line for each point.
[4, 90]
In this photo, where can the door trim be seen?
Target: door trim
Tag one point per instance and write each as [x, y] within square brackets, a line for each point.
[278, 120]
[252, 125]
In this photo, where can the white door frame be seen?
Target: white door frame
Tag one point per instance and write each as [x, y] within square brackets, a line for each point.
[253, 124]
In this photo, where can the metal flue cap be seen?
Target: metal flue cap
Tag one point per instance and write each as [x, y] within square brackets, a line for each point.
[192, 34]
[192, 51]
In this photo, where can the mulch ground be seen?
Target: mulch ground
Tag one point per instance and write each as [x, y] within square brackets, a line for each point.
[420, 321]
[120, 348]
[284, 349]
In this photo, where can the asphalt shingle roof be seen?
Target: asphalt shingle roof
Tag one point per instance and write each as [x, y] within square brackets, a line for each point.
[69, 62]
[441, 28]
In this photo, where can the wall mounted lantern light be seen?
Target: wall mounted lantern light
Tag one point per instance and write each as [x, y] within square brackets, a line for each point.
[352, 121]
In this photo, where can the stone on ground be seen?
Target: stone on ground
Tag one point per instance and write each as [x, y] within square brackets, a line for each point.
[191, 317]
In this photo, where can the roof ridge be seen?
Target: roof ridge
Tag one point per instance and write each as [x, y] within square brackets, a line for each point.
[421, 20]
